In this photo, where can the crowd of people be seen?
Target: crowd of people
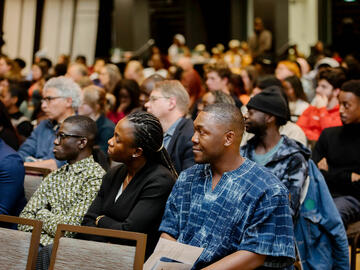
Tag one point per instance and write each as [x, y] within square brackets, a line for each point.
[223, 150]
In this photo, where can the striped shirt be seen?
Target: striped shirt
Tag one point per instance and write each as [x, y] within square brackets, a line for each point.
[247, 210]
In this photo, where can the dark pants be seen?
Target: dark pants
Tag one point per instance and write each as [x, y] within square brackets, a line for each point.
[44, 256]
[349, 209]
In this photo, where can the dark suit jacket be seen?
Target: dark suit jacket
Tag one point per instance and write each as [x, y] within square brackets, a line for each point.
[180, 146]
[138, 209]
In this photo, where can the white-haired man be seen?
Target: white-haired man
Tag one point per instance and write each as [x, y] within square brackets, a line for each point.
[61, 97]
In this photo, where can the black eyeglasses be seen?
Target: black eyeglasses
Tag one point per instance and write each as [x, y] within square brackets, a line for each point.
[48, 99]
[61, 135]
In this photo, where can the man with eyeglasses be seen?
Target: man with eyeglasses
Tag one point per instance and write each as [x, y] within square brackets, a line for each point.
[61, 97]
[65, 194]
[169, 102]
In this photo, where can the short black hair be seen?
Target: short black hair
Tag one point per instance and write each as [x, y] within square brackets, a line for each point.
[352, 86]
[85, 125]
[227, 114]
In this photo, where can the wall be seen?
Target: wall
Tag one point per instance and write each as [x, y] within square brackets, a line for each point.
[303, 24]
[68, 26]
[19, 26]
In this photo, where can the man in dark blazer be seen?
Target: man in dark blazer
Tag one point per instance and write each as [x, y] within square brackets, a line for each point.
[169, 102]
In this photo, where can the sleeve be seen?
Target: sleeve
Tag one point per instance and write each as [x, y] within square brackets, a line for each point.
[74, 214]
[170, 223]
[297, 171]
[270, 229]
[12, 175]
[37, 202]
[147, 210]
[28, 148]
[319, 152]
[310, 123]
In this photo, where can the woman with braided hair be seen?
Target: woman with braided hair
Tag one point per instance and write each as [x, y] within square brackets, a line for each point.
[133, 195]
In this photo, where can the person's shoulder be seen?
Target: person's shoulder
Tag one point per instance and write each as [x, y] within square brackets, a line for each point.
[105, 123]
[194, 172]
[186, 124]
[260, 178]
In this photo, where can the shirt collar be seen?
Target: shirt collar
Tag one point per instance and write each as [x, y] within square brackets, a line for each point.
[80, 165]
[171, 130]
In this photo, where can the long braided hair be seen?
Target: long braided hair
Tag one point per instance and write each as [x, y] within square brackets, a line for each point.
[149, 136]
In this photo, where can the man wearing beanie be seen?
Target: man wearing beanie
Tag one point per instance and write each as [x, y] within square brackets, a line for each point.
[284, 157]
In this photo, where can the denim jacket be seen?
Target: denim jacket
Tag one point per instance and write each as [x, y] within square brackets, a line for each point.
[40, 144]
[289, 164]
[319, 232]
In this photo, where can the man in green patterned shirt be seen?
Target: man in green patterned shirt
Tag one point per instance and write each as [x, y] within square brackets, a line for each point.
[65, 194]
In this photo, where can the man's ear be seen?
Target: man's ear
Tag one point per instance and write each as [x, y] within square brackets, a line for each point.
[172, 103]
[229, 138]
[270, 118]
[138, 152]
[83, 143]
[68, 102]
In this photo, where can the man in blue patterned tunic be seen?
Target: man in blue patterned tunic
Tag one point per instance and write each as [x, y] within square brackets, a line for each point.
[237, 211]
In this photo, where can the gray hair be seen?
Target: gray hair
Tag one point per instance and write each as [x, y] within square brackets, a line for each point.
[66, 88]
[173, 88]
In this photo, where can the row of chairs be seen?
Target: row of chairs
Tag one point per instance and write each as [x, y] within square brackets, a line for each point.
[19, 250]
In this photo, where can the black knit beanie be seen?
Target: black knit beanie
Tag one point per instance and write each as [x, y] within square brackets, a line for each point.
[270, 101]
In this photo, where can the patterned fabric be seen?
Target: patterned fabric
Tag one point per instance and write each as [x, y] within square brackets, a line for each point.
[289, 164]
[64, 197]
[247, 210]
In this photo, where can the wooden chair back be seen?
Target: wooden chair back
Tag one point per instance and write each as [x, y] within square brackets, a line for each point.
[70, 253]
[19, 250]
[33, 178]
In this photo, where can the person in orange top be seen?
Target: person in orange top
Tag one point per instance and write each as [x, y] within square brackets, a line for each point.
[324, 109]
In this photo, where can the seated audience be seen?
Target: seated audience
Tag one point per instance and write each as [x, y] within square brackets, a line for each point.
[77, 72]
[290, 129]
[132, 196]
[337, 154]
[93, 106]
[7, 130]
[236, 210]
[134, 71]
[109, 76]
[127, 94]
[324, 109]
[146, 87]
[12, 172]
[12, 97]
[284, 157]
[213, 97]
[65, 195]
[296, 96]
[169, 102]
[61, 97]
[218, 78]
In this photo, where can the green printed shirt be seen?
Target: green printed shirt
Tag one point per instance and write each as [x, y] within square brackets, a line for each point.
[63, 197]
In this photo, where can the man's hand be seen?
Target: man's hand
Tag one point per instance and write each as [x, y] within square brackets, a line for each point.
[355, 177]
[320, 101]
[322, 165]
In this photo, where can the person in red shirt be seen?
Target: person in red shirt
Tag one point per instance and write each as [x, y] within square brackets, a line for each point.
[324, 109]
